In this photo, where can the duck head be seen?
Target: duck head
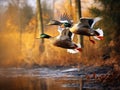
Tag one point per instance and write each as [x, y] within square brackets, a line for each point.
[54, 22]
[66, 24]
[44, 36]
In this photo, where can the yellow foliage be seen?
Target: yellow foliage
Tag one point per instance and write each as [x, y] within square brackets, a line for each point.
[11, 25]
[29, 52]
[62, 8]
[70, 8]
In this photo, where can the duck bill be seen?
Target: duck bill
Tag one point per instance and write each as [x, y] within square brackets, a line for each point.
[62, 26]
[48, 23]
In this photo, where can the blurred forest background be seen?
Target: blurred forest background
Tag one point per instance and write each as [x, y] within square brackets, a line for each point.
[18, 32]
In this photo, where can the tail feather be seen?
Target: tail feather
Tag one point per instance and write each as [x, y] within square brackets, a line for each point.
[76, 50]
[100, 36]
[73, 51]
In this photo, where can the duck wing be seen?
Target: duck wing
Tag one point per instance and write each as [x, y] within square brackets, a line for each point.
[95, 20]
[81, 28]
[64, 40]
[66, 18]
[85, 21]
[90, 21]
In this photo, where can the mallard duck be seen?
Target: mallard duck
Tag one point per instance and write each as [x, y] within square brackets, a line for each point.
[85, 27]
[63, 28]
[62, 25]
[64, 22]
[64, 41]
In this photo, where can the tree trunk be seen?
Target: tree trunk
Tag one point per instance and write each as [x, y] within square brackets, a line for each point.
[53, 8]
[71, 9]
[79, 15]
[20, 25]
[40, 24]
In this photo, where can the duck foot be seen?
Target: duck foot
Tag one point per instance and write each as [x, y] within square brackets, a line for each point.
[79, 49]
[91, 40]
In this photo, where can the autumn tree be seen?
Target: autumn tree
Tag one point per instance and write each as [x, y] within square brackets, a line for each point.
[26, 13]
[16, 14]
[110, 11]
[46, 12]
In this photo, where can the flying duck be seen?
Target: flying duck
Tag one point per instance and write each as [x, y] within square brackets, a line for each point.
[85, 27]
[63, 28]
[64, 41]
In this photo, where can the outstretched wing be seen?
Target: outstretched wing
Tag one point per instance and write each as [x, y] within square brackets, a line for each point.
[65, 18]
[90, 21]
[95, 20]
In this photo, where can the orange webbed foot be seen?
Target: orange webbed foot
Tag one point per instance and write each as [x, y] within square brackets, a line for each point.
[79, 49]
[91, 40]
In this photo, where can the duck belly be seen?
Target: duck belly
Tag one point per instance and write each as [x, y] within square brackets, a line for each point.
[64, 44]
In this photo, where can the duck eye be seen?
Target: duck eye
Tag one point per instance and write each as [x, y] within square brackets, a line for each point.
[67, 25]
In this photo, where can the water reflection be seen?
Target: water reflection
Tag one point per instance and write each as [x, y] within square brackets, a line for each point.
[37, 79]
[31, 83]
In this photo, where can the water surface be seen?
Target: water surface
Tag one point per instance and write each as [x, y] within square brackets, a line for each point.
[41, 79]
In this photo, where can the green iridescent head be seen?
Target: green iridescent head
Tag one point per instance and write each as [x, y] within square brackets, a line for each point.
[67, 25]
[44, 36]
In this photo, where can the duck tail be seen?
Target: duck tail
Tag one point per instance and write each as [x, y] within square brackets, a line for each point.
[76, 50]
[79, 48]
[100, 36]
[73, 51]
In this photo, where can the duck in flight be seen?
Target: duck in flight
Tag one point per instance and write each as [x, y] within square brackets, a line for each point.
[65, 37]
[85, 27]
[63, 40]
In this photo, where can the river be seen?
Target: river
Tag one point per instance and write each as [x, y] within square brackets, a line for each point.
[43, 79]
